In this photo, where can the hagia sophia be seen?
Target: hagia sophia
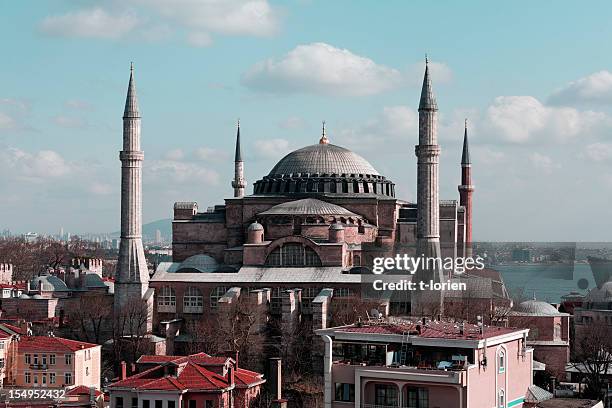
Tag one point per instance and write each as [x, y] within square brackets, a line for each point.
[304, 237]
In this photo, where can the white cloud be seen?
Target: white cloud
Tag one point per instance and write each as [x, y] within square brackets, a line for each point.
[199, 39]
[210, 154]
[592, 89]
[90, 23]
[6, 121]
[543, 162]
[78, 104]
[232, 17]
[168, 172]
[155, 20]
[271, 148]
[598, 152]
[324, 69]
[522, 119]
[35, 167]
[174, 154]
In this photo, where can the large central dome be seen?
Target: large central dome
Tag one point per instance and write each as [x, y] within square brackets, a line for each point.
[324, 169]
[323, 159]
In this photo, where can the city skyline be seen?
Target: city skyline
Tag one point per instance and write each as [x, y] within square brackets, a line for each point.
[539, 128]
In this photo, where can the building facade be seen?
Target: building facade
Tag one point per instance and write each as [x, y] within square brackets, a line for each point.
[428, 364]
[194, 381]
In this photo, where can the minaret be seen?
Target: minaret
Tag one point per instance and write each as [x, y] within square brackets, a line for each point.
[465, 191]
[239, 183]
[132, 276]
[428, 203]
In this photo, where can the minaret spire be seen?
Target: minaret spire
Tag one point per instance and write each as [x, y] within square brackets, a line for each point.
[239, 183]
[465, 191]
[132, 277]
[428, 302]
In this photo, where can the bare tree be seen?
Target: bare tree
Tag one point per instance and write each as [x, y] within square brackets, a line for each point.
[91, 318]
[130, 332]
[593, 359]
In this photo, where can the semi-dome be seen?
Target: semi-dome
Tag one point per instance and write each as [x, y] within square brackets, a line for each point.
[308, 206]
[324, 168]
[48, 283]
[536, 308]
[198, 263]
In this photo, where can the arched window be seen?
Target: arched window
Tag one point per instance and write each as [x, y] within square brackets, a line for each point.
[274, 258]
[311, 258]
[501, 360]
[293, 255]
[216, 294]
[193, 301]
[166, 300]
[501, 399]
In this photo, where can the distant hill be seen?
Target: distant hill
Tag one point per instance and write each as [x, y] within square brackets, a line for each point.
[149, 229]
[164, 226]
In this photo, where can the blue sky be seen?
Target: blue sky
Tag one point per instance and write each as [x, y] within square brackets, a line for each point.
[532, 77]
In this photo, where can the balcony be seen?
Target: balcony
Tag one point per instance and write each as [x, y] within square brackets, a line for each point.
[39, 366]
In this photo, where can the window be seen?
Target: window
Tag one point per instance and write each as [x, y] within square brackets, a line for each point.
[52, 359]
[501, 399]
[146, 404]
[35, 358]
[159, 404]
[216, 294]
[208, 404]
[557, 332]
[418, 397]
[119, 402]
[166, 300]
[28, 359]
[385, 394]
[276, 300]
[192, 404]
[134, 402]
[68, 358]
[44, 359]
[1, 345]
[193, 301]
[68, 378]
[35, 378]
[501, 361]
[28, 377]
[44, 378]
[345, 392]
[171, 404]
[343, 292]
[293, 254]
[51, 378]
[86, 371]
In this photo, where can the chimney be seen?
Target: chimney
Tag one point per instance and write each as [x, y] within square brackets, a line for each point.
[123, 370]
[276, 378]
[230, 376]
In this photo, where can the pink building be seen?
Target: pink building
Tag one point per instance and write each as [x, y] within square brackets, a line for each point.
[426, 364]
[195, 381]
[55, 362]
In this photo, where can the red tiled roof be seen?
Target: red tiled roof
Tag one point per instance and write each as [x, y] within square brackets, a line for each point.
[436, 330]
[191, 374]
[81, 390]
[46, 343]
